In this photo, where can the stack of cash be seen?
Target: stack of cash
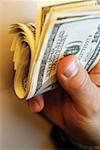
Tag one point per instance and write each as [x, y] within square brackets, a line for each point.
[62, 28]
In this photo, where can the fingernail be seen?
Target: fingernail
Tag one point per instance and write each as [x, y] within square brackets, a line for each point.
[72, 69]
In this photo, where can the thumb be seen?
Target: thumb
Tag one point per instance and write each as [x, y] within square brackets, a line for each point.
[75, 80]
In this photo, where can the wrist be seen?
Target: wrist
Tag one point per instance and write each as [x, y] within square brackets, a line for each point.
[65, 141]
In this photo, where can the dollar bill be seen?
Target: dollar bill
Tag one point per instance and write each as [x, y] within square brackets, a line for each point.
[46, 7]
[76, 3]
[80, 37]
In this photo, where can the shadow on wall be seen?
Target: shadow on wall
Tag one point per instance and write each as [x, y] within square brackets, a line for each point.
[6, 62]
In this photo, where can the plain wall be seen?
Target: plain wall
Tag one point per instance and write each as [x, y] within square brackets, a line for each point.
[19, 128]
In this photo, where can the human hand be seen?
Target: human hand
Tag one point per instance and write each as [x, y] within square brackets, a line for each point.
[76, 106]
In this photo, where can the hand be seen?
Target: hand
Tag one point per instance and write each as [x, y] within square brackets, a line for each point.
[76, 106]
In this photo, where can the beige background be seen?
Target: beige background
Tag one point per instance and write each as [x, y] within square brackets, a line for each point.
[19, 128]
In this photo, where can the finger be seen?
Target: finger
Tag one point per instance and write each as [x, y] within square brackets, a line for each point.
[95, 79]
[36, 104]
[76, 81]
[96, 69]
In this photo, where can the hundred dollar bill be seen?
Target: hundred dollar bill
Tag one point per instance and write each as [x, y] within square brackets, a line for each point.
[44, 8]
[64, 5]
[74, 36]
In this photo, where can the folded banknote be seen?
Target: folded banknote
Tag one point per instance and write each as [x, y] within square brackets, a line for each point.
[61, 29]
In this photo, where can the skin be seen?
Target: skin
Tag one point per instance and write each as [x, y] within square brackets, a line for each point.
[75, 105]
